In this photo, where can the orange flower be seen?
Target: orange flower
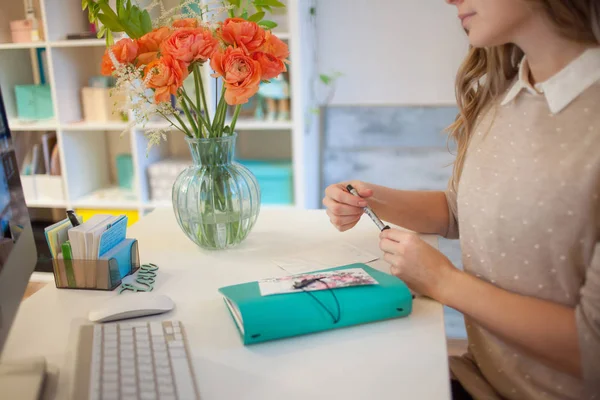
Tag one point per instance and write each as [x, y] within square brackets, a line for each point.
[124, 51]
[165, 75]
[190, 44]
[275, 46]
[238, 32]
[241, 74]
[270, 65]
[150, 44]
[186, 23]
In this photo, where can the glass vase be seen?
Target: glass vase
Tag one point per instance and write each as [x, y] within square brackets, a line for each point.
[216, 200]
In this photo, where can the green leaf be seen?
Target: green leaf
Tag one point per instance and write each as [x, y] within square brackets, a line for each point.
[84, 4]
[256, 17]
[120, 9]
[268, 3]
[325, 79]
[245, 14]
[267, 24]
[146, 22]
[109, 22]
[101, 32]
[235, 3]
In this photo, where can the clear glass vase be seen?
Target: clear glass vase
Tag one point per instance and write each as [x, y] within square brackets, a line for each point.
[216, 200]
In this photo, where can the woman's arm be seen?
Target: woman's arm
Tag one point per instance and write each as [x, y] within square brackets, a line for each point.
[546, 330]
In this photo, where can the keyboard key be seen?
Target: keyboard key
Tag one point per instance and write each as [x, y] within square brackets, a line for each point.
[163, 373]
[145, 369]
[129, 397]
[110, 395]
[129, 382]
[109, 387]
[156, 329]
[177, 353]
[176, 344]
[175, 323]
[176, 329]
[148, 396]
[178, 336]
[183, 379]
[111, 377]
[169, 330]
[144, 360]
[167, 397]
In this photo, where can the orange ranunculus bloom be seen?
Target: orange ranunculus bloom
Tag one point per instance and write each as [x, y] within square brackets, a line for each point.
[241, 74]
[275, 46]
[165, 75]
[186, 23]
[149, 44]
[270, 65]
[125, 51]
[238, 32]
[190, 44]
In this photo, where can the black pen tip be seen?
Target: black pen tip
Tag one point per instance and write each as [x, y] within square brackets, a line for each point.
[349, 187]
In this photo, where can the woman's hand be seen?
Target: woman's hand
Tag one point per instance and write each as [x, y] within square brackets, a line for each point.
[343, 208]
[423, 268]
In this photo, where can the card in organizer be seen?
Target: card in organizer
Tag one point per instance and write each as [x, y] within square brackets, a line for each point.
[105, 273]
[162, 175]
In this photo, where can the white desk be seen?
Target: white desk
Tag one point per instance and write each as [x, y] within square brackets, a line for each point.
[399, 359]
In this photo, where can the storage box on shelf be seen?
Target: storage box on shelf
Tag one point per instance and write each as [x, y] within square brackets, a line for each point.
[274, 179]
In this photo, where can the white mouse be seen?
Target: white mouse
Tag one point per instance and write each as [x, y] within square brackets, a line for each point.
[130, 306]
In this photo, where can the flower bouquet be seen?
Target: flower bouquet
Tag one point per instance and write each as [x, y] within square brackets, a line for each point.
[216, 200]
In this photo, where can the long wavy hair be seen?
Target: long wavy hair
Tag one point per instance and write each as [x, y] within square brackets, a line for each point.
[487, 72]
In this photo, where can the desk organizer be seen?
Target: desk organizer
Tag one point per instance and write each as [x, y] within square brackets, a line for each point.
[105, 273]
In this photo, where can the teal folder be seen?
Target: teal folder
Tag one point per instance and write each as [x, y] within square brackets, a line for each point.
[264, 318]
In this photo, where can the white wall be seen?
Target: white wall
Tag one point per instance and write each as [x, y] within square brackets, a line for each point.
[390, 51]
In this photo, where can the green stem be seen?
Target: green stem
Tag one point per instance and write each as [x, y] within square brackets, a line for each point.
[186, 131]
[235, 117]
[217, 123]
[198, 75]
[199, 118]
[197, 87]
[175, 125]
[186, 110]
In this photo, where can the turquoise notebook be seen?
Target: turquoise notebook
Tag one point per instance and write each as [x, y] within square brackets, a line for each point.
[264, 318]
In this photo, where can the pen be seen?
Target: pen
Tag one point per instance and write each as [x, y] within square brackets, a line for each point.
[369, 211]
[72, 218]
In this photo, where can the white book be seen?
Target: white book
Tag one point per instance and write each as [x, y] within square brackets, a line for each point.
[77, 235]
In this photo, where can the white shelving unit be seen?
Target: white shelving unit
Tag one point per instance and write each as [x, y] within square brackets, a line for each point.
[88, 149]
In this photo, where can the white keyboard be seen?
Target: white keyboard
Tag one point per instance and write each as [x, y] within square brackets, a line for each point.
[141, 361]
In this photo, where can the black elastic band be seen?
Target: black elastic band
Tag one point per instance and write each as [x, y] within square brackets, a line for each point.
[337, 303]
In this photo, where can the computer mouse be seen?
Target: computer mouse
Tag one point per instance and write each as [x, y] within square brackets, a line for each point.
[131, 305]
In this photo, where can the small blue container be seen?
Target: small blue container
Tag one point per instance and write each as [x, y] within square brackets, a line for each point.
[275, 180]
[34, 102]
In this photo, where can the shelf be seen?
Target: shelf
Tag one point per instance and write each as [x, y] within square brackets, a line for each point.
[79, 43]
[255, 125]
[96, 126]
[109, 198]
[17, 46]
[46, 204]
[283, 35]
[16, 124]
[241, 125]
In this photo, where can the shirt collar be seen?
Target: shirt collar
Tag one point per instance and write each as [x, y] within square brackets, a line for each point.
[564, 87]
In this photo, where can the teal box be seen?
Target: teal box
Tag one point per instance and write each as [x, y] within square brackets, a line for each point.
[274, 178]
[34, 102]
[125, 170]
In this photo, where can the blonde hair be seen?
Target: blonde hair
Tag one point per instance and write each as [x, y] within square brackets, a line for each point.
[487, 72]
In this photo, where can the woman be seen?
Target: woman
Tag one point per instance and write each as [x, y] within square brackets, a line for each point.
[524, 197]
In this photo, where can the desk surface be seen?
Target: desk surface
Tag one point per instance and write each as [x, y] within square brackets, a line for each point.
[403, 358]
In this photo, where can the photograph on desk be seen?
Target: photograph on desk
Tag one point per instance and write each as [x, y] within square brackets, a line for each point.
[13, 212]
